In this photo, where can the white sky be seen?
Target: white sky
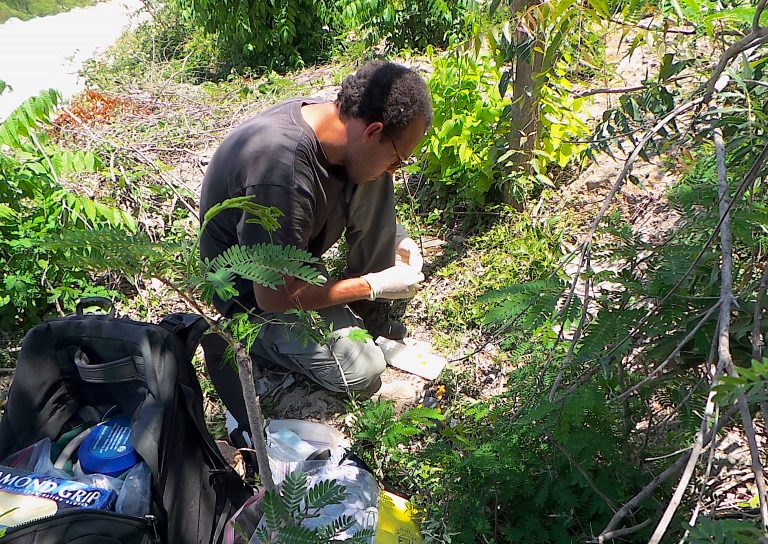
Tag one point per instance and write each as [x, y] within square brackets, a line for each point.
[48, 52]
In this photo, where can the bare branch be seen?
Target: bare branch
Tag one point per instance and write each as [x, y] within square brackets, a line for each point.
[622, 90]
[757, 37]
[618, 533]
[690, 465]
[651, 376]
[618, 184]
[757, 340]
[726, 296]
[576, 335]
[670, 471]
[647, 26]
[749, 179]
[255, 416]
[142, 158]
[758, 12]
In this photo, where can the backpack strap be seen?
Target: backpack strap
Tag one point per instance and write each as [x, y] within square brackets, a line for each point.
[189, 328]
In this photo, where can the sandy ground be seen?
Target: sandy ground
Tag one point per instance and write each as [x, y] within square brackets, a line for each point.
[48, 52]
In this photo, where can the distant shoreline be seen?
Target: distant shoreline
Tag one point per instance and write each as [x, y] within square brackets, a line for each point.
[39, 8]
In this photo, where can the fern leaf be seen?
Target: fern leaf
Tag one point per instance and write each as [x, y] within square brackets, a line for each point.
[263, 215]
[423, 415]
[297, 535]
[266, 264]
[325, 493]
[362, 536]
[275, 512]
[293, 489]
[339, 525]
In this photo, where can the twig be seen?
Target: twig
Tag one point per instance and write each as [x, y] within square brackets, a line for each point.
[618, 533]
[749, 179]
[712, 447]
[671, 356]
[576, 335]
[673, 30]
[247, 381]
[758, 36]
[622, 90]
[142, 156]
[758, 12]
[255, 416]
[618, 184]
[690, 465]
[646, 492]
[757, 339]
[726, 295]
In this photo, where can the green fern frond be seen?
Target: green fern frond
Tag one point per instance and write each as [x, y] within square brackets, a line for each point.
[325, 493]
[266, 216]
[220, 283]
[31, 115]
[267, 264]
[534, 301]
[422, 415]
[275, 512]
[293, 489]
[110, 249]
[297, 535]
[339, 525]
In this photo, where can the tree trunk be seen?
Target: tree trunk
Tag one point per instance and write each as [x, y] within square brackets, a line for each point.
[525, 97]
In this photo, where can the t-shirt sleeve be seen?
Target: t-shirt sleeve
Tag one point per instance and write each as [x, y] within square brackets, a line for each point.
[287, 189]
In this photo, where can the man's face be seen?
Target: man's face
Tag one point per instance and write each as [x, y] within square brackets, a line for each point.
[370, 152]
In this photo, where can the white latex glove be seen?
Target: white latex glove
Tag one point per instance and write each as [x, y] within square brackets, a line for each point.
[410, 254]
[399, 281]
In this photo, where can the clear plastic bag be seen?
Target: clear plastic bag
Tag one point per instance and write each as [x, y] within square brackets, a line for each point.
[133, 498]
[291, 442]
[97, 480]
[28, 458]
[360, 504]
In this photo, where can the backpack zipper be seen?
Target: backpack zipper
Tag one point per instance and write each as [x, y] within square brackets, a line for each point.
[148, 520]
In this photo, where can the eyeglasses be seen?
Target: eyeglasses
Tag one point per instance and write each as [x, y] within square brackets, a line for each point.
[398, 162]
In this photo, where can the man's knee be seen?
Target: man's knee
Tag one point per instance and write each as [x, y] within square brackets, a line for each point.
[367, 367]
[351, 365]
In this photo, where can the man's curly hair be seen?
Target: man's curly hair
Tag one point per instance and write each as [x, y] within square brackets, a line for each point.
[386, 92]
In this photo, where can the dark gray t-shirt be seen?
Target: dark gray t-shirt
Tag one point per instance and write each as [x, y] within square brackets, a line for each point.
[275, 157]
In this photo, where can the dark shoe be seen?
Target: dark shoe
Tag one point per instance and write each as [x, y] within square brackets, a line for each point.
[376, 320]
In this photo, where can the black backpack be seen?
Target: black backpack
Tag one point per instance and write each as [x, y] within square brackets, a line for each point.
[146, 371]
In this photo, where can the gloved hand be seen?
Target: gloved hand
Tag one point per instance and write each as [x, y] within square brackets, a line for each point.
[410, 254]
[399, 281]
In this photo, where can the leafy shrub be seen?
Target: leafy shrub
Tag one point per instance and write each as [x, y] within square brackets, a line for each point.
[279, 34]
[467, 148]
[462, 146]
[169, 42]
[34, 206]
[413, 25]
[377, 431]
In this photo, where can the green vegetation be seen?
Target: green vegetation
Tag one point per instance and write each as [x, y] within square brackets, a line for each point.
[596, 337]
[27, 9]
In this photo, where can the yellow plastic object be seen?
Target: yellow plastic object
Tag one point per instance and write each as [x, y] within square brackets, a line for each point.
[396, 524]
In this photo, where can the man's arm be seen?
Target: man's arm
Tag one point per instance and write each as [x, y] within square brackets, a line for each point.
[298, 294]
[398, 281]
